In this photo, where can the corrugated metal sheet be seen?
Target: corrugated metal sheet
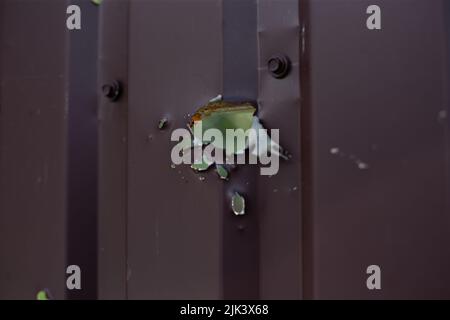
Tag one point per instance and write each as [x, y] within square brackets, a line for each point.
[88, 181]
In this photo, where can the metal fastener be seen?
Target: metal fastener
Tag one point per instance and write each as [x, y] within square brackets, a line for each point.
[112, 91]
[279, 66]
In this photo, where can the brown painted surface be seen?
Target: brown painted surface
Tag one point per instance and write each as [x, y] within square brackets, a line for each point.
[82, 149]
[377, 96]
[361, 112]
[240, 235]
[278, 197]
[48, 170]
[33, 137]
[113, 156]
[174, 219]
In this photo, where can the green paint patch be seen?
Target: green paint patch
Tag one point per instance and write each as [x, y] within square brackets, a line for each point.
[222, 172]
[238, 204]
[42, 295]
[162, 123]
[201, 166]
[222, 115]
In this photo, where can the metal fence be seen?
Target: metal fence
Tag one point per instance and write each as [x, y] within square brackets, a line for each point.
[87, 180]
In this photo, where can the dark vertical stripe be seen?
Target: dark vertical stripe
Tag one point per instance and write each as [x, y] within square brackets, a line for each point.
[82, 151]
[240, 49]
[240, 234]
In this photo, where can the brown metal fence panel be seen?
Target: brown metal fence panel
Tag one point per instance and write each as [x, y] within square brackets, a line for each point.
[87, 179]
[113, 152]
[33, 142]
[376, 150]
[279, 196]
[174, 219]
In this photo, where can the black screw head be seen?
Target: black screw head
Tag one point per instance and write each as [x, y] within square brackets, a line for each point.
[279, 66]
[112, 91]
